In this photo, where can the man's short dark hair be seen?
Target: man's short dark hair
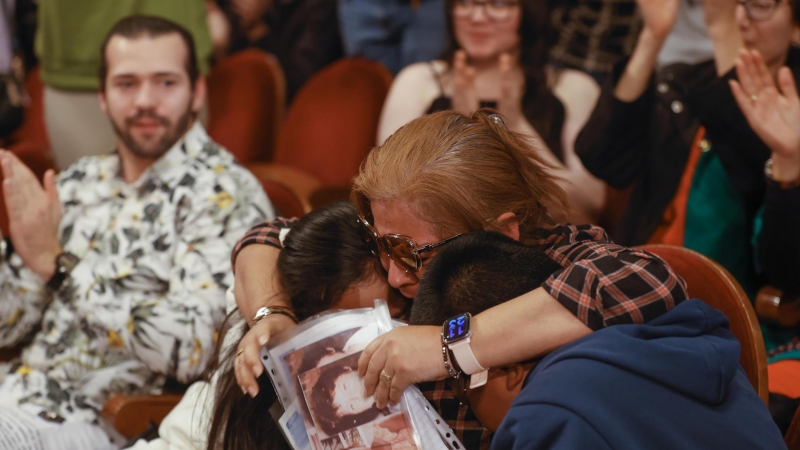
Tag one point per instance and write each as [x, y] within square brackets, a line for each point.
[476, 272]
[137, 26]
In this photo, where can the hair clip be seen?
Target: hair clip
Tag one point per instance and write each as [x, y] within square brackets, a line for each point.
[497, 119]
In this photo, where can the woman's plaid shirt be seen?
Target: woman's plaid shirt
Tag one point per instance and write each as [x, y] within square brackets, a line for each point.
[601, 283]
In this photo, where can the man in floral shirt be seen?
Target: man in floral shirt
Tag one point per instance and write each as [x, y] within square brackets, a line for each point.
[118, 267]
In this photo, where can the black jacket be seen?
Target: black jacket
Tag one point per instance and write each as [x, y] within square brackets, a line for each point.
[646, 144]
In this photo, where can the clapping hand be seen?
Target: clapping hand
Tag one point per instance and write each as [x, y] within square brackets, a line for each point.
[772, 111]
[465, 98]
[34, 215]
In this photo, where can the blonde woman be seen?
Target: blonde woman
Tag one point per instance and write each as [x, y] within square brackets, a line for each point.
[440, 176]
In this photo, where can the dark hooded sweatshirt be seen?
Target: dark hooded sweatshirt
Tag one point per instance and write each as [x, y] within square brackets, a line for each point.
[673, 383]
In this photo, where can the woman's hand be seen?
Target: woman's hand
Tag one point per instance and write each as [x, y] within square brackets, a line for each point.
[658, 16]
[772, 111]
[247, 366]
[407, 355]
[465, 99]
[252, 290]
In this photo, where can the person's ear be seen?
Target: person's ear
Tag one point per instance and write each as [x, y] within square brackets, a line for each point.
[515, 377]
[199, 96]
[511, 227]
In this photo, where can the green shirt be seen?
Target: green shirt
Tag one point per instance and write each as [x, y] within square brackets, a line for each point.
[70, 33]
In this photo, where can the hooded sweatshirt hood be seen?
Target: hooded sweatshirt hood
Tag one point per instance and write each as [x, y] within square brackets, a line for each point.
[690, 349]
[674, 382]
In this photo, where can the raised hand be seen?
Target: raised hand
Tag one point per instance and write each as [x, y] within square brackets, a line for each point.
[34, 214]
[465, 98]
[658, 16]
[772, 111]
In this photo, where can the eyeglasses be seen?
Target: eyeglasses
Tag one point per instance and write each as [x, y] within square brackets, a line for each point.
[761, 10]
[494, 9]
[403, 250]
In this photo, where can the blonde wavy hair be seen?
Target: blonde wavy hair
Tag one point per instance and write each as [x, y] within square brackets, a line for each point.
[460, 174]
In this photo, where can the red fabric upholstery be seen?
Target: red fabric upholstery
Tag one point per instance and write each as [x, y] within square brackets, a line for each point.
[33, 132]
[283, 198]
[246, 99]
[332, 123]
[710, 282]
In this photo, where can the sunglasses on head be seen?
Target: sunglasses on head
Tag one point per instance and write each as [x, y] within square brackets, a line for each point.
[403, 250]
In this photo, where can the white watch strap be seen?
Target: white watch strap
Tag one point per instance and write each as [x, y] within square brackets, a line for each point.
[465, 358]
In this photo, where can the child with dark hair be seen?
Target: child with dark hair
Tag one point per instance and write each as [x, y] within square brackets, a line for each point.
[324, 264]
[589, 393]
[478, 271]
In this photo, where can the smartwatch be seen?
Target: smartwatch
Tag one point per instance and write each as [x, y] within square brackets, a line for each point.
[65, 262]
[456, 333]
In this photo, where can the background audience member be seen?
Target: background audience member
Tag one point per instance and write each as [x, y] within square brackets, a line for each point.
[395, 33]
[593, 35]
[324, 264]
[118, 269]
[302, 34]
[588, 394]
[695, 165]
[773, 110]
[494, 180]
[68, 35]
[498, 58]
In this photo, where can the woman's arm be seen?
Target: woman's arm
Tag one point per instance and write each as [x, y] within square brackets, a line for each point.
[774, 114]
[611, 143]
[256, 284]
[412, 92]
[602, 284]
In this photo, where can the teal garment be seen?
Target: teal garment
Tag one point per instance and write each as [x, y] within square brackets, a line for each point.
[716, 221]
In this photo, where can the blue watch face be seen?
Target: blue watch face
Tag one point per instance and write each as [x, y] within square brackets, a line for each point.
[457, 327]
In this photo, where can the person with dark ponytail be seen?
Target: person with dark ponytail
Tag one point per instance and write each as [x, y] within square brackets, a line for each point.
[498, 58]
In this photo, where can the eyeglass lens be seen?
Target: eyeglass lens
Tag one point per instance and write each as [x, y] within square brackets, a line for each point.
[760, 9]
[494, 9]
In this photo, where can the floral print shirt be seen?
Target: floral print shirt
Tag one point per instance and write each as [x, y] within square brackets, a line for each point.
[145, 300]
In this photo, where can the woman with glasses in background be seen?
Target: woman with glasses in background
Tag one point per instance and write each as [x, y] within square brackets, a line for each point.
[497, 58]
[440, 176]
[677, 136]
[699, 172]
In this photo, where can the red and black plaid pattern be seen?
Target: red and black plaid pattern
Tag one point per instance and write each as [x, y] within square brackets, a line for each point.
[606, 284]
[458, 416]
[264, 233]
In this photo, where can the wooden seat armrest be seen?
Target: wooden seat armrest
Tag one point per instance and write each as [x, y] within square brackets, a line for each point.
[772, 304]
[131, 414]
[301, 183]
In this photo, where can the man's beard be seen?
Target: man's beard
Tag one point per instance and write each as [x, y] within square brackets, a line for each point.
[173, 132]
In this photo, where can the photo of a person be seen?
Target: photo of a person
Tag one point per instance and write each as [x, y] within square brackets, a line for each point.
[335, 396]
